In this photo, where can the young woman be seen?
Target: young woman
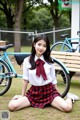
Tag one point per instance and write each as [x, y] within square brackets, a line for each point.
[38, 70]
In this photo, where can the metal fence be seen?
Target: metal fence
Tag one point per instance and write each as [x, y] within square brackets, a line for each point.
[28, 36]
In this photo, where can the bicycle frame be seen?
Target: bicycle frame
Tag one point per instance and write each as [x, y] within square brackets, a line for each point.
[5, 58]
[68, 41]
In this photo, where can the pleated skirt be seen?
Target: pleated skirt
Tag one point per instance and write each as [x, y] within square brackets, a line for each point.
[40, 96]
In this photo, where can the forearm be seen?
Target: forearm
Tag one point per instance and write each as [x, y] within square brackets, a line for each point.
[56, 86]
[24, 87]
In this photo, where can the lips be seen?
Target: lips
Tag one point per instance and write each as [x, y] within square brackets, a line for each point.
[40, 51]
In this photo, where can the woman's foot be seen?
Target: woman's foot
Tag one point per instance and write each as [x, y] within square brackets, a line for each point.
[72, 96]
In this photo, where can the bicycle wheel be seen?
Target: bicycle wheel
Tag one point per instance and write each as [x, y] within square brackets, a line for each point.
[5, 82]
[62, 76]
[60, 46]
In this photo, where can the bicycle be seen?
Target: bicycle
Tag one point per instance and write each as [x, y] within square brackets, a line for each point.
[66, 45]
[7, 71]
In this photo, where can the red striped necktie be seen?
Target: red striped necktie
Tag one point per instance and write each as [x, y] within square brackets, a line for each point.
[40, 69]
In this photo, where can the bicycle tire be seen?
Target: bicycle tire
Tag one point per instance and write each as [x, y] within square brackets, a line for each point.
[6, 81]
[62, 76]
[60, 46]
[2, 69]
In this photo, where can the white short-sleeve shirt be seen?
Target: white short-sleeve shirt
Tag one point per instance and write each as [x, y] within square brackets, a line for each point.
[30, 75]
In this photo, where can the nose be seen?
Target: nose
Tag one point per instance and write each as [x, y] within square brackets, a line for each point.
[41, 47]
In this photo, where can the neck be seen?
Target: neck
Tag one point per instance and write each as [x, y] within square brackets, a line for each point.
[38, 56]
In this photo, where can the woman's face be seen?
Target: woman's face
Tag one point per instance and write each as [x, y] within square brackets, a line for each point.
[40, 47]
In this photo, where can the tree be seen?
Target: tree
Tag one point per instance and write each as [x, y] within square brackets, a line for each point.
[53, 8]
[13, 11]
[18, 14]
[19, 4]
[39, 18]
[5, 7]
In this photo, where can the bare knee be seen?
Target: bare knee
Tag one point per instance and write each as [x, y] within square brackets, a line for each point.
[67, 108]
[12, 106]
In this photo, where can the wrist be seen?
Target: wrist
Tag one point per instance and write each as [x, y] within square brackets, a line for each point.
[23, 94]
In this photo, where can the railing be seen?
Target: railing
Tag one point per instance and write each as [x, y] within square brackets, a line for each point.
[8, 34]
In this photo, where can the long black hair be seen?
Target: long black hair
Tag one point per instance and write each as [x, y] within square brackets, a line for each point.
[46, 53]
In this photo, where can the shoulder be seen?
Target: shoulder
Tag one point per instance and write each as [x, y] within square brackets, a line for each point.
[26, 60]
[26, 63]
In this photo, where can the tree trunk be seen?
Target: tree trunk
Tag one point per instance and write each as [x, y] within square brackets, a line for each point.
[17, 26]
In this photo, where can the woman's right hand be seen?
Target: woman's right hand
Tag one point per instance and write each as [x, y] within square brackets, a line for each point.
[17, 97]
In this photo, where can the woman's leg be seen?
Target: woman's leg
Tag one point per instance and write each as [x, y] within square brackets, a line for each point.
[18, 103]
[61, 104]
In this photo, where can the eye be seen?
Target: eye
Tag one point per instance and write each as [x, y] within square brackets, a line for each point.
[44, 46]
[39, 44]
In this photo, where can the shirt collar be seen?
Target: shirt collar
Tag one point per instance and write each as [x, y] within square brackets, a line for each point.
[42, 58]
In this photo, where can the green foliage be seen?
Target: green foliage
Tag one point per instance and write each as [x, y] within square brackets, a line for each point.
[36, 15]
[3, 23]
[39, 19]
[64, 21]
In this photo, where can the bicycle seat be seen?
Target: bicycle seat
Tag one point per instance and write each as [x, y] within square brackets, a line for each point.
[64, 35]
[3, 48]
[20, 57]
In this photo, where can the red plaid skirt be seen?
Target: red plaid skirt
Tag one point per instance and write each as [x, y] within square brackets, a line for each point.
[40, 96]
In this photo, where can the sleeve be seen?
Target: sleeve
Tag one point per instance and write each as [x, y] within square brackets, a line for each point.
[26, 69]
[53, 75]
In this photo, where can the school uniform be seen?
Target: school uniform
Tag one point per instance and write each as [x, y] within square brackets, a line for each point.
[42, 91]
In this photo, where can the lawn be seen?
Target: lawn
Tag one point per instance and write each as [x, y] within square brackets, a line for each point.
[23, 49]
[47, 113]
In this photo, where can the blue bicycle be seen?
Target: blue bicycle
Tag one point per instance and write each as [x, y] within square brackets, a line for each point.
[66, 45]
[7, 71]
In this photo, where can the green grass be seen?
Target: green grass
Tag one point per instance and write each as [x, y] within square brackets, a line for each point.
[23, 49]
[26, 49]
[47, 113]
